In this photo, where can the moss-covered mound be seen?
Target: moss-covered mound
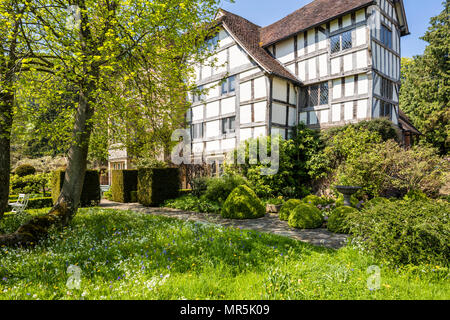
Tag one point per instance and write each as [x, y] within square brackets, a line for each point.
[337, 221]
[243, 203]
[305, 216]
[287, 209]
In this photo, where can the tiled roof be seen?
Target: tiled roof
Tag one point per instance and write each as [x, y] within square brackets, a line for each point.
[313, 14]
[406, 123]
[247, 34]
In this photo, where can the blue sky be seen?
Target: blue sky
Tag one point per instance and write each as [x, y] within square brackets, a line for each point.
[265, 12]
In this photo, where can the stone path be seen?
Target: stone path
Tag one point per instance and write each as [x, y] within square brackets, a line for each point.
[270, 224]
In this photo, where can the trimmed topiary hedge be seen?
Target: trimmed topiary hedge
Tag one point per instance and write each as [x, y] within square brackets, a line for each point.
[37, 203]
[306, 216]
[124, 182]
[314, 200]
[243, 203]
[287, 209]
[90, 194]
[156, 185]
[25, 170]
[337, 221]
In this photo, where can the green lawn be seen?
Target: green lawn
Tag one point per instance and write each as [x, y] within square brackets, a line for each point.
[126, 255]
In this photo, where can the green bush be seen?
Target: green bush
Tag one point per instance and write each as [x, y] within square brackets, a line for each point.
[338, 219]
[288, 208]
[375, 201]
[315, 200]
[108, 195]
[243, 203]
[25, 170]
[305, 216]
[416, 195]
[199, 186]
[193, 203]
[30, 184]
[218, 189]
[340, 201]
[405, 232]
[90, 194]
[156, 185]
[123, 183]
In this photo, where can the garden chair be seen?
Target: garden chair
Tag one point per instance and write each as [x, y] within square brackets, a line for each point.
[21, 204]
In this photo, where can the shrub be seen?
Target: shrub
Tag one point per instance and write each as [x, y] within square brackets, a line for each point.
[243, 203]
[193, 203]
[337, 221]
[288, 208]
[294, 175]
[25, 170]
[405, 232]
[218, 189]
[375, 201]
[156, 185]
[90, 194]
[30, 184]
[416, 195]
[315, 200]
[199, 186]
[305, 216]
[108, 195]
[38, 203]
[123, 183]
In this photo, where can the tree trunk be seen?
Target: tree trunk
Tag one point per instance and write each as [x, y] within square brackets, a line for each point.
[6, 104]
[67, 204]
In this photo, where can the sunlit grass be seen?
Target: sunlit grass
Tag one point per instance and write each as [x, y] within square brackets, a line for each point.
[128, 255]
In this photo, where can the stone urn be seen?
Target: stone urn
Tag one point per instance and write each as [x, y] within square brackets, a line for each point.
[348, 191]
[273, 208]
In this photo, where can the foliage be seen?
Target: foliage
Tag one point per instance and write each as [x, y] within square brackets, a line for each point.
[243, 203]
[218, 189]
[288, 208]
[382, 127]
[123, 254]
[387, 169]
[295, 172]
[30, 184]
[305, 216]
[425, 90]
[123, 183]
[315, 200]
[275, 201]
[199, 186]
[44, 164]
[405, 232]
[156, 185]
[108, 195]
[337, 221]
[90, 194]
[25, 170]
[194, 204]
[375, 201]
[416, 195]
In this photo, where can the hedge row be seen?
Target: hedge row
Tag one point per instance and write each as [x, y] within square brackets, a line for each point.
[38, 203]
[156, 185]
[124, 183]
[90, 194]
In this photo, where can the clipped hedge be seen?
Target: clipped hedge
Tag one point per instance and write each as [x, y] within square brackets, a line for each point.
[243, 203]
[338, 219]
[37, 203]
[90, 194]
[25, 170]
[124, 182]
[156, 185]
[287, 209]
[306, 216]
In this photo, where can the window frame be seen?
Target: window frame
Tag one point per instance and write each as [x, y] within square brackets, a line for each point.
[229, 125]
[201, 131]
[320, 89]
[228, 86]
[340, 37]
[386, 35]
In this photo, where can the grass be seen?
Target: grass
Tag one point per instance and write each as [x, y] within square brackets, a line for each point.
[127, 255]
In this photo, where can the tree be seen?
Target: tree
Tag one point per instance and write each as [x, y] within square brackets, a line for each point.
[84, 52]
[425, 91]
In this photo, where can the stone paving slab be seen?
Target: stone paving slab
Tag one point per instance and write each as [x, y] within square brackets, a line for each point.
[269, 224]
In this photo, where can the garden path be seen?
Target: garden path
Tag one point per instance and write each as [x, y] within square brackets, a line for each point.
[269, 224]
